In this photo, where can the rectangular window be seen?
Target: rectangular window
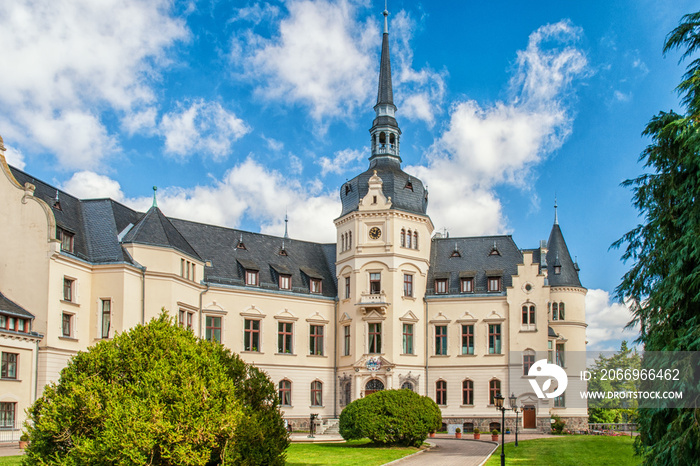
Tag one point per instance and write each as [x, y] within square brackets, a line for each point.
[375, 338]
[188, 270]
[182, 268]
[467, 339]
[68, 289]
[346, 340]
[285, 282]
[284, 337]
[528, 361]
[407, 338]
[408, 285]
[190, 316]
[441, 339]
[213, 329]
[194, 279]
[251, 277]
[494, 338]
[20, 325]
[375, 283]
[560, 401]
[494, 284]
[9, 365]
[285, 392]
[181, 315]
[251, 337]
[7, 414]
[550, 352]
[316, 393]
[106, 317]
[467, 285]
[347, 287]
[560, 355]
[441, 392]
[494, 389]
[67, 324]
[315, 285]
[468, 392]
[3, 321]
[316, 340]
[66, 239]
[441, 286]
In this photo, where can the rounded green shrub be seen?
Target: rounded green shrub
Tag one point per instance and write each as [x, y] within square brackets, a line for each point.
[157, 395]
[392, 417]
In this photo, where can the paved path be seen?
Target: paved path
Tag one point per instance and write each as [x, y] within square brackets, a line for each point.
[451, 452]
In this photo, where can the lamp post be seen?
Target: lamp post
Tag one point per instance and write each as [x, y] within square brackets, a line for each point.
[514, 406]
[499, 405]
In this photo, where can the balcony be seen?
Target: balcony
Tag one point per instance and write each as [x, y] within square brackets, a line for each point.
[369, 301]
[388, 149]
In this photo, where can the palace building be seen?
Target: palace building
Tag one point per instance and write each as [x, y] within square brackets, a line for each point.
[390, 305]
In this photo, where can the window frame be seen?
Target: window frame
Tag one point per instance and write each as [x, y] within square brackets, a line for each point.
[67, 240]
[375, 283]
[528, 362]
[8, 414]
[67, 325]
[252, 277]
[466, 285]
[210, 329]
[374, 338]
[251, 335]
[284, 281]
[69, 290]
[347, 287]
[469, 335]
[284, 390]
[315, 285]
[408, 285]
[494, 284]
[441, 286]
[495, 339]
[494, 389]
[285, 337]
[10, 366]
[104, 313]
[316, 340]
[468, 392]
[407, 342]
[441, 393]
[317, 393]
[346, 340]
[441, 340]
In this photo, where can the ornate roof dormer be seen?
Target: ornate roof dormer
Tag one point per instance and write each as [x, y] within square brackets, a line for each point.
[385, 130]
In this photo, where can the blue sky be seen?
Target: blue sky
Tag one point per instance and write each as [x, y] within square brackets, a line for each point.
[240, 111]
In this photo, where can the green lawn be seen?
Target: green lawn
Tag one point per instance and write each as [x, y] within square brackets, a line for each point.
[350, 453]
[573, 450]
[10, 460]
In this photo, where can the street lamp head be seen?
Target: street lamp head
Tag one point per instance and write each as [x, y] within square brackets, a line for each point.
[513, 400]
[498, 399]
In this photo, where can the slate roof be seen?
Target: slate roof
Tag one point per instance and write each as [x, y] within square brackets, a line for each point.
[385, 94]
[472, 258]
[156, 229]
[8, 306]
[394, 185]
[558, 254]
[303, 259]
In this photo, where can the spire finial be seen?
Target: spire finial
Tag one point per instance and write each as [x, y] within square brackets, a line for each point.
[286, 233]
[386, 21]
[155, 201]
[556, 214]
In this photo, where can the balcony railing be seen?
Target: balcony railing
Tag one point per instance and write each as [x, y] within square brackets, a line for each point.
[390, 149]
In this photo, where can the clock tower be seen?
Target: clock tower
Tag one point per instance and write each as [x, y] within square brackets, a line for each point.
[382, 260]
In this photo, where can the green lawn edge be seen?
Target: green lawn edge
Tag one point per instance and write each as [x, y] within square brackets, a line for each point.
[348, 453]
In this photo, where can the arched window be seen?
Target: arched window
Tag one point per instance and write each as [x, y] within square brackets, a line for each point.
[316, 393]
[374, 385]
[382, 138]
[349, 239]
[408, 239]
[555, 311]
[528, 317]
[342, 242]
[345, 392]
[285, 392]
[467, 392]
[415, 240]
[441, 392]
[392, 139]
[407, 386]
[403, 238]
[561, 311]
[494, 389]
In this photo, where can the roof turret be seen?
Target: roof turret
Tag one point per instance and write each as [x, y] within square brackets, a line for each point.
[561, 270]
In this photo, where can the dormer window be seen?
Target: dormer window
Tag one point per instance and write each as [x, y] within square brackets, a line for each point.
[494, 284]
[348, 188]
[285, 282]
[251, 277]
[441, 285]
[315, 285]
[557, 269]
[466, 285]
[66, 239]
[409, 185]
[494, 250]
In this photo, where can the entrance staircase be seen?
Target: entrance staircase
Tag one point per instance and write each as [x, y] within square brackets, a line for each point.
[328, 426]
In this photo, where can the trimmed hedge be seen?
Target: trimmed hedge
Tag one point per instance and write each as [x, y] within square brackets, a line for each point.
[391, 417]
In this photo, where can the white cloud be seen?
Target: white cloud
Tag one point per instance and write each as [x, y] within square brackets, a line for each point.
[204, 126]
[248, 191]
[14, 157]
[90, 185]
[342, 161]
[66, 58]
[606, 322]
[483, 147]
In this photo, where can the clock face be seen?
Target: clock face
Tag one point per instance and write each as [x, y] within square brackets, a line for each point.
[375, 233]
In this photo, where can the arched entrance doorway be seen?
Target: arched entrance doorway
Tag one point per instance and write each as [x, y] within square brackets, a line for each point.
[373, 385]
[529, 417]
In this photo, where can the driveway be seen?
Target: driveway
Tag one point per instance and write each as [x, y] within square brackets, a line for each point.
[451, 451]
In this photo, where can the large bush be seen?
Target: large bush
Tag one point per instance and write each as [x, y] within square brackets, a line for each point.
[157, 395]
[396, 417]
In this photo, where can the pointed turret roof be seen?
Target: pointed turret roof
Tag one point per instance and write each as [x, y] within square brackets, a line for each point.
[155, 229]
[385, 93]
[558, 256]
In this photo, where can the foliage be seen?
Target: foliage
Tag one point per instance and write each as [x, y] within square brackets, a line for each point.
[476, 430]
[157, 395]
[558, 425]
[494, 432]
[663, 283]
[605, 411]
[395, 417]
[458, 430]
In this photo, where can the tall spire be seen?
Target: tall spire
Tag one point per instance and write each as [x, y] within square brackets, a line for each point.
[556, 214]
[385, 130]
[286, 233]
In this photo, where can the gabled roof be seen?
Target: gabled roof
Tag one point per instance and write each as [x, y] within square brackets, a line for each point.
[156, 229]
[558, 255]
[8, 306]
[475, 259]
